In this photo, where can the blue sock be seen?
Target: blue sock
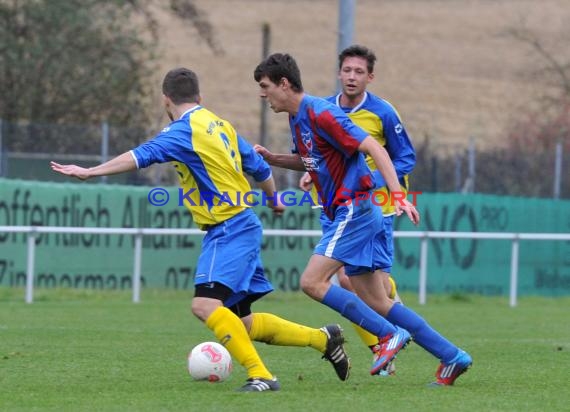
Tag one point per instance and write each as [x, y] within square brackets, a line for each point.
[357, 311]
[423, 334]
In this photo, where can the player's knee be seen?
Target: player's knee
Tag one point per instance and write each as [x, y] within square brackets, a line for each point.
[208, 297]
[312, 288]
[199, 309]
[306, 286]
[344, 281]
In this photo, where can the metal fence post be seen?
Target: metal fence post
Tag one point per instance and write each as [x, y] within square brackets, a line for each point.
[266, 40]
[514, 272]
[345, 30]
[30, 266]
[557, 170]
[423, 269]
[458, 172]
[471, 165]
[104, 146]
[137, 268]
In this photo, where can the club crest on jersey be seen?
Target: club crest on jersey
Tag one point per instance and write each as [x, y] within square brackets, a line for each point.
[311, 164]
[307, 141]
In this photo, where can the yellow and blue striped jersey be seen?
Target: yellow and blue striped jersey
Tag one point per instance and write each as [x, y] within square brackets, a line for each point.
[381, 120]
[210, 158]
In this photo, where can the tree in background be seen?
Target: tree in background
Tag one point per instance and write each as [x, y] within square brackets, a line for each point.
[534, 134]
[80, 62]
[549, 123]
[524, 164]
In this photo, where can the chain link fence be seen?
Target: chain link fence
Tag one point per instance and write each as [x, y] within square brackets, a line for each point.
[498, 171]
[26, 150]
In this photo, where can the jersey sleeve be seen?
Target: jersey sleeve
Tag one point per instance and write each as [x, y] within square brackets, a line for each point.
[252, 162]
[398, 144]
[164, 147]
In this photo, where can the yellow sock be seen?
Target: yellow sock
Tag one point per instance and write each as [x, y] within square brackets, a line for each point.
[273, 330]
[368, 338]
[231, 332]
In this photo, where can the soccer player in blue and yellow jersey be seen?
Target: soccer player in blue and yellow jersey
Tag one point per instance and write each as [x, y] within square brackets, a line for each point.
[327, 144]
[210, 158]
[382, 122]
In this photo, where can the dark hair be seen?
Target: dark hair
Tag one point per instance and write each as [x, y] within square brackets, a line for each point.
[278, 66]
[358, 51]
[181, 86]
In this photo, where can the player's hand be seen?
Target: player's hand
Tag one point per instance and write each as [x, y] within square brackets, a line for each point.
[263, 151]
[405, 206]
[81, 173]
[305, 182]
[277, 207]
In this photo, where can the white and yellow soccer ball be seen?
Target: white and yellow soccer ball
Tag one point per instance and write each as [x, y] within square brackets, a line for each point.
[210, 361]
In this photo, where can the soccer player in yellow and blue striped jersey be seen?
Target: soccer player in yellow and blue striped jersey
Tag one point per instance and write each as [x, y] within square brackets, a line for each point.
[210, 159]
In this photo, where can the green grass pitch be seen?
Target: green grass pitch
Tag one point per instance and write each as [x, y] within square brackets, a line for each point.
[80, 350]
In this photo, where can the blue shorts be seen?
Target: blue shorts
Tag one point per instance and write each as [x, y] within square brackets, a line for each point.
[354, 238]
[384, 245]
[231, 255]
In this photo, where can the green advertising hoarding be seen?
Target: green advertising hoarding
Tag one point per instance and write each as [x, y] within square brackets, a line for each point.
[483, 265]
[106, 261]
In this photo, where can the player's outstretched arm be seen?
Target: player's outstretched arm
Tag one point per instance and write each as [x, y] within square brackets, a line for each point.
[285, 161]
[120, 164]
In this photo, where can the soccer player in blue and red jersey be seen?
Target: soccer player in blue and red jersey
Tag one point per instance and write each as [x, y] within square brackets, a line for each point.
[381, 121]
[327, 144]
[210, 159]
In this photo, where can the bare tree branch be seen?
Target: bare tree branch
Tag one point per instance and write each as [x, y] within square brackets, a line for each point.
[187, 10]
[552, 64]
